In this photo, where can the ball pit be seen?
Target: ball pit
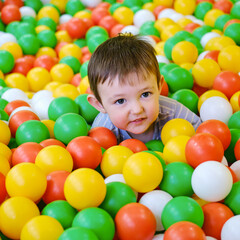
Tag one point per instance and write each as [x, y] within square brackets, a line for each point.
[45, 121]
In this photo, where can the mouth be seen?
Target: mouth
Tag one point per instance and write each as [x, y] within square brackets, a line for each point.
[138, 120]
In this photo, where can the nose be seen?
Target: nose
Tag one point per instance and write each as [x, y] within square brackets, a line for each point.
[136, 107]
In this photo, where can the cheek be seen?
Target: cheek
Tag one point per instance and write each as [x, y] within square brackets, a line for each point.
[118, 119]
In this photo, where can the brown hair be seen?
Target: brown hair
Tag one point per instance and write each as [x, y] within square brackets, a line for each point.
[120, 56]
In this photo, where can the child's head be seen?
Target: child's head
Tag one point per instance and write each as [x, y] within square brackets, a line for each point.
[119, 57]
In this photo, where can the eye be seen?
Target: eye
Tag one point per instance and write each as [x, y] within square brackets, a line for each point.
[146, 94]
[120, 101]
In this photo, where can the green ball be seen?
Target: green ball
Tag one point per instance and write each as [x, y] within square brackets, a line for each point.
[3, 103]
[233, 198]
[169, 44]
[233, 31]
[155, 145]
[3, 90]
[221, 21]
[3, 115]
[47, 38]
[110, 1]
[234, 120]
[114, 7]
[60, 106]
[30, 20]
[96, 30]
[98, 220]
[32, 131]
[53, 5]
[69, 126]
[161, 160]
[25, 28]
[135, 9]
[118, 195]
[76, 233]
[81, 42]
[148, 28]
[177, 179]
[183, 35]
[85, 108]
[182, 208]
[35, 4]
[95, 41]
[167, 68]
[6, 61]
[84, 69]
[2, 83]
[179, 78]
[72, 62]
[132, 3]
[200, 31]
[12, 143]
[74, 6]
[47, 21]
[29, 43]
[235, 11]
[2, 26]
[201, 9]
[188, 98]
[12, 27]
[62, 211]
[197, 43]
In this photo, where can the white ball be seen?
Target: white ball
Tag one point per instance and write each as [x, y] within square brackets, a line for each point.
[142, 16]
[162, 59]
[190, 17]
[65, 18]
[206, 37]
[15, 94]
[158, 237]
[176, 16]
[115, 178]
[211, 181]
[7, 37]
[224, 161]
[40, 95]
[156, 201]
[198, 21]
[45, 1]
[210, 238]
[236, 168]
[91, 3]
[130, 29]
[216, 108]
[149, 40]
[19, 109]
[166, 13]
[231, 229]
[27, 11]
[202, 55]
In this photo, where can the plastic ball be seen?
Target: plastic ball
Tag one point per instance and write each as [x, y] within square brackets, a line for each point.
[12, 94]
[235, 11]
[211, 16]
[29, 43]
[234, 100]
[10, 13]
[6, 61]
[15, 212]
[124, 15]
[76, 28]
[42, 227]
[48, 11]
[134, 145]
[17, 80]
[170, 31]
[44, 61]
[232, 31]
[22, 65]
[229, 229]
[182, 208]
[72, 62]
[94, 42]
[66, 90]
[85, 184]
[61, 72]
[202, 8]
[20, 183]
[136, 221]
[70, 49]
[5, 133]
[143, 172]
[186, 7]
[205, 71]
[47, 51]
[227, 58]
[5, 164]
[184, 230]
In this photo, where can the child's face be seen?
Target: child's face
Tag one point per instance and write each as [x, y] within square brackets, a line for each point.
[130, 107]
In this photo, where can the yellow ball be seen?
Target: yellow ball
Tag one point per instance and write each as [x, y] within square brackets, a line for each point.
[17, 80]
[83, 14]
[1, 75]
[218, 43]
[183, 22]
[15, 212]
[52, 86]
[63, 36]
[54, 158]
[174, 150]
[234, 101]
[200, 201]
[143, 172]
[114, 159]
[211, 16]
[26, 180]
[166, 3]
[187, 66]
[208, 94]
[83, 85]
[70, 49]
[205, 71]
[66, 90]
[124, 15]
[185, 7]
[5, 133]
[48, 11]
[84, 188]
[13, 48]
[170, 31]
[61, 72]
[184, 52]
[228, 58]
[61, 4]
[46, 51]
[4, 165]
[40, 28]
[159, 48]
[42, 227]
[149, 6]
[37, 78]
[176, 127]
[50, 125]
[162, 23]
[5, 151]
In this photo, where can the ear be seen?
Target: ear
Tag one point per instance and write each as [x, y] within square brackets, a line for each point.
[95, 103]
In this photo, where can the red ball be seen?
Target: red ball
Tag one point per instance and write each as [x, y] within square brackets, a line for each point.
[76, 28]
[85, 151]
[26, 152]
[217, 128]
[98, 14]
[234, 176]
[108, 22]
[18, 3]
[203, 147]
[22, 65]
[135, 221]
[10, 13]
[104, 136]
[51, 141]
[191, 27]
[237, 149]
[88, 22]
[85, 57]
[157, 10]
[15, 104]
[116, 30]
[3, 191]
[230, 22]
[76, 79]
[184, 230]
[213, 55]
[164, 88]
[59, 46]
[45, 61]
[227, 82]
[215, 215]
[55, 186]
[20, 117]
[198, 89]
[224, 5]
[199, 1]
[104, 5]
[134, 144]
